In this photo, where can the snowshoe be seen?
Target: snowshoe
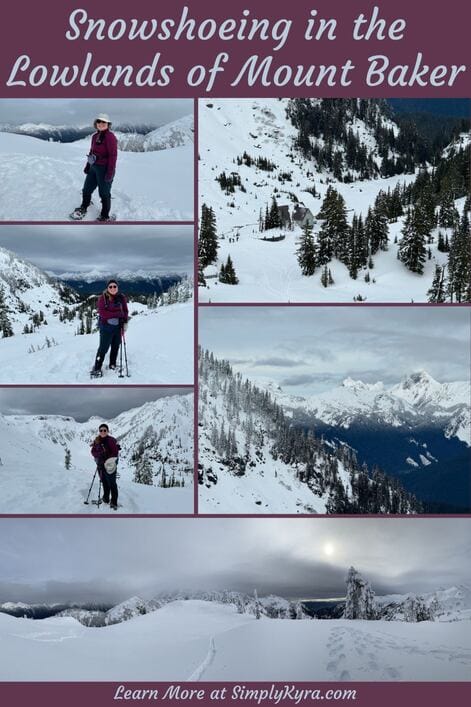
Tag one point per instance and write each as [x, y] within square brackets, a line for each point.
[97, 503]
[106, 219]
[78, 214]
[96, 373]
[113, 507]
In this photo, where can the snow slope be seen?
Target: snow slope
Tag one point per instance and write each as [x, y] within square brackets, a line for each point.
[269, 271]
[175, 134]
[159, 348]
[197, 640]
[34, 479]
[42, 181]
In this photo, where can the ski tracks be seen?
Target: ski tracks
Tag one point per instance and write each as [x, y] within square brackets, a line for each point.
[198, 673]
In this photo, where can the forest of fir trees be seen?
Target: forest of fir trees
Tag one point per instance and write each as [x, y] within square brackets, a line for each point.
[252, 425]
[427, 205]
[154, 466]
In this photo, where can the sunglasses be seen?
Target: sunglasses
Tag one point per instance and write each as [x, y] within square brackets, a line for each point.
[102, 429]
[112, 287]
[102, 121]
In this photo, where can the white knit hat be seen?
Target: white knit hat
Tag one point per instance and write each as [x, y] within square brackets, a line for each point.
[103, 116]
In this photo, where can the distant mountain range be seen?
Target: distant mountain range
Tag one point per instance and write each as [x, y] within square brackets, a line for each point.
[140, 282]
[418, 430]
[131, 137]
[450, 604]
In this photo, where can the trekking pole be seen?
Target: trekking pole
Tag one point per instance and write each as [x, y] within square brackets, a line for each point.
[123, 340]
[121, 356]
[90, 489]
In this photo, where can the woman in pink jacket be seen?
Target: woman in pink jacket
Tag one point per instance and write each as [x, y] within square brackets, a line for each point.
[105, 450]
[112, 319]
[100, 168]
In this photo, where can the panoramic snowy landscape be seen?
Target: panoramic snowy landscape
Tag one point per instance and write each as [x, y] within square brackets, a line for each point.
[46, 464]
[48, 317]
[311, 200]
[308, 412]
[323, 620]
[44, 160]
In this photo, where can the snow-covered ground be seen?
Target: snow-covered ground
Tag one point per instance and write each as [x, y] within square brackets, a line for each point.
[268, 486]
[269, 271]
[159, 345]
[203, 641]
[34, 477]
[42, 181]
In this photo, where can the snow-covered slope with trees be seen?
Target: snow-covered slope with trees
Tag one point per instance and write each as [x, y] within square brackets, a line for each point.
[252, 460]
[46, 465]
[381, 225]
[48, 332]
[149, 186]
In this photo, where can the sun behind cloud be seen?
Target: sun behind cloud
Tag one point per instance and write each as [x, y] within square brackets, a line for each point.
[328, 549]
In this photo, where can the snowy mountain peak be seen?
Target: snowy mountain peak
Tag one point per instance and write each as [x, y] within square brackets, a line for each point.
[360, 385]
[418, 378]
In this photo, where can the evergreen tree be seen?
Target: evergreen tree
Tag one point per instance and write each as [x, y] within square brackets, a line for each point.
[5, 325]
[275, 215]
[307, 251]
[67, 459]
[437, 291]
[227, 274]
[459, 262]
[325, 277]
[143, 473]
[359, 602]
[415, 610]
[334, 233]
[208, 242]
[412, 251]
[448, 216]
[376, 230]
[257, 605]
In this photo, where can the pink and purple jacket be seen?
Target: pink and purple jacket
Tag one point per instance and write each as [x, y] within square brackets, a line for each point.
[105, 448]
[105, 151]
[112, 307]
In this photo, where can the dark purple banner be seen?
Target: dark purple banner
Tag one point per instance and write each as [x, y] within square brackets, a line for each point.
[361, 694]
[324, 48]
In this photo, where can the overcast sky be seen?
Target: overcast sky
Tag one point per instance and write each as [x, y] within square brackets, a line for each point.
[82, 111]
[110, 560]
[79, 402]
[311, 349]
[60, 249]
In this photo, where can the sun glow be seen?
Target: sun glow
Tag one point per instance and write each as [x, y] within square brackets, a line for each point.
[329, 549]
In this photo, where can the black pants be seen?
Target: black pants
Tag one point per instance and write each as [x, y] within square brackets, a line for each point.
[110, 337]
[96, 178]
[110, 486]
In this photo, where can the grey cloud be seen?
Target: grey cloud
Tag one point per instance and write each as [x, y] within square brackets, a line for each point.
[298, 380]
[60, 249]
[79, 403]
[93, 557]
[277, 362]
[80, 112]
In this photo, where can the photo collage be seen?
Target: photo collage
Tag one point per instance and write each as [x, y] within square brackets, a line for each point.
[235, 398]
